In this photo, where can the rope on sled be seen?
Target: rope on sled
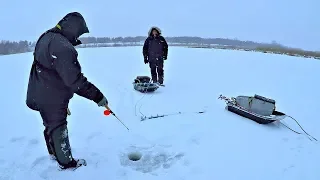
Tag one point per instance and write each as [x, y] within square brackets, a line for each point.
[135, 107]
[289, 128]
[142, 104]
[308, 135]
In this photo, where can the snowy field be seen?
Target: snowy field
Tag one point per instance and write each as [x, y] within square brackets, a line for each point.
[214, 145]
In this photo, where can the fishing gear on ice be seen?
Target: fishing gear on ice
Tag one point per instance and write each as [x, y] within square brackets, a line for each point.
[143, 84]
[259, 109]
[108, 111]
[143, 118]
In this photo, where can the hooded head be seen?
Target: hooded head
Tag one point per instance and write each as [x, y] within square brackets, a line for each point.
[72, 26]
[156, 29]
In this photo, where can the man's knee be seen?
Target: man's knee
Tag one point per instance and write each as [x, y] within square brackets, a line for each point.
[152, 65]
[54, 125]
[53, 117]
[160, 69]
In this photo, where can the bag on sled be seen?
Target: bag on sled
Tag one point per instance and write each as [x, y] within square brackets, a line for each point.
[143, 84]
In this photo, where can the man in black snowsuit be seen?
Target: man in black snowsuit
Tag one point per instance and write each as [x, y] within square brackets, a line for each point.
[54, 78]
[155, 51]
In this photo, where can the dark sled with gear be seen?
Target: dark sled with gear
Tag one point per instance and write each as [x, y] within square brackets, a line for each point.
[257, 108]
[143, 84]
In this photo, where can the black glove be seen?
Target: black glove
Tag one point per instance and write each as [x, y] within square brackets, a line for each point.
[146, 59]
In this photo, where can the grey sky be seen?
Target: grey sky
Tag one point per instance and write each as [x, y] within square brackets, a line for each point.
[294, 23]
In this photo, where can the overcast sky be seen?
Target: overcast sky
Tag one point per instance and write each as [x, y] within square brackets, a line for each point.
[290, 22]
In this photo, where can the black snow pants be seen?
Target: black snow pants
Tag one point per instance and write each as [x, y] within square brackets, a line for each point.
[156, 67]
[56, 135]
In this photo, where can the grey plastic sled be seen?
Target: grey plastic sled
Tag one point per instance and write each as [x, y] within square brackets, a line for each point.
[257, 108]
[143, 84]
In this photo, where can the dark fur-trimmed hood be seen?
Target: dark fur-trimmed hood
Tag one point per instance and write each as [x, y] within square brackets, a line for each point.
[152, 28]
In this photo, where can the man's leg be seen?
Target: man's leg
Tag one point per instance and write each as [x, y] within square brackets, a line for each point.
[160, 70]
[55, 122]
[153, 68]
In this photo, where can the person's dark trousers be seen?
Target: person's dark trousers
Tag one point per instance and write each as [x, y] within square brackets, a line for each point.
[56, 135]
[156, 67]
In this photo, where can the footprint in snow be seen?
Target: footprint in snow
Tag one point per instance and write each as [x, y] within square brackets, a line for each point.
[94, 154]
[291, 167]
[33, 142]
[93, 135]
[170, 161]
[39, 160]
[285, 139]
[186, 162]
[122, 174]
[49, 172]
[17, 139]
[194, 140]
[42, 161]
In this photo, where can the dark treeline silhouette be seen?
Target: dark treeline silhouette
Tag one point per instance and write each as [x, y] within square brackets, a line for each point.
[12, 47]
[183, 40]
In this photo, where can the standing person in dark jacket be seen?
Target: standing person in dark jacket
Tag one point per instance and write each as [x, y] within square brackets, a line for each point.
[155, 51]
[54, 77]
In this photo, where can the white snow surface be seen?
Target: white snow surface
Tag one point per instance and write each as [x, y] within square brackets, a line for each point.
[215, 145]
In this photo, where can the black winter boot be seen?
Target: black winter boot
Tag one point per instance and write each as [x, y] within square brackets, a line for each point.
[74, 164]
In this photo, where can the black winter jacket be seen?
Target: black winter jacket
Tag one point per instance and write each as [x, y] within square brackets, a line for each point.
[155, 47]
[56, 72]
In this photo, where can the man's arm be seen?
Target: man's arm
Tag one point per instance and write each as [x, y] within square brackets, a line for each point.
[145, 47]
[165, 47]
[67, 66]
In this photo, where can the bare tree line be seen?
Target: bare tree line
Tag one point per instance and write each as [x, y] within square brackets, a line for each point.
[12, 47]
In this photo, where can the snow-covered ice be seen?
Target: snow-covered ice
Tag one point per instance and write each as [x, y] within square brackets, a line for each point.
[214, 145]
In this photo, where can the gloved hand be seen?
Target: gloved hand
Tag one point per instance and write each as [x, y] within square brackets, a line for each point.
[146, 59]
[164, 57]
[103, 102]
